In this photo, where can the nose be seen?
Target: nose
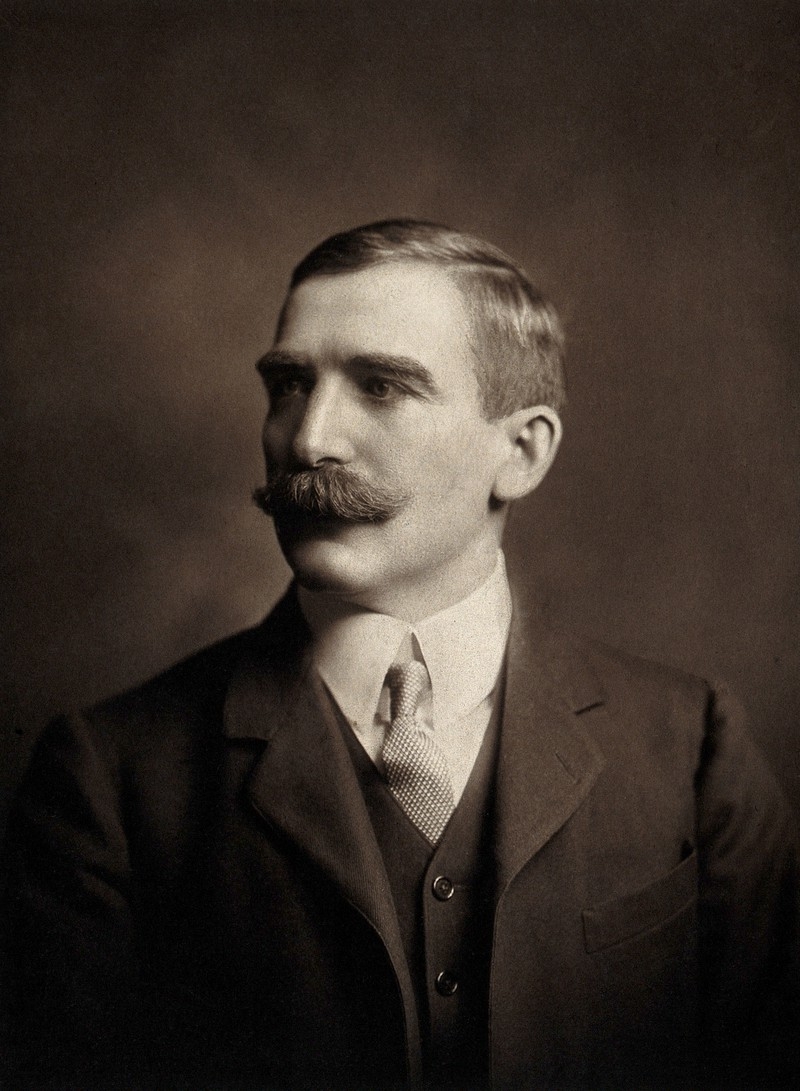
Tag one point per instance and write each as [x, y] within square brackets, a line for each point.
[320, 433]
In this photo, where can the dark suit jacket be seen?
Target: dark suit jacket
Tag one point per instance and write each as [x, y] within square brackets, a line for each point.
[197, 899]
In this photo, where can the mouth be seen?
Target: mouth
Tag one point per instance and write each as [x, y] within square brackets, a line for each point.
[295, 525]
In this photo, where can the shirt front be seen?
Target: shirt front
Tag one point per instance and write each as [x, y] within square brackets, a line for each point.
[462, 647]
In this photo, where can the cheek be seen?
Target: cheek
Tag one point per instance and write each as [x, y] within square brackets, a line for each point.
[275, 437]
[454, 469]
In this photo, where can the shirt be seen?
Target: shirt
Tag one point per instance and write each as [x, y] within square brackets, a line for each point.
[462, 646]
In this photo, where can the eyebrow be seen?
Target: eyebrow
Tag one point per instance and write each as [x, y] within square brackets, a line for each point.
[403, 369]
[275, 360]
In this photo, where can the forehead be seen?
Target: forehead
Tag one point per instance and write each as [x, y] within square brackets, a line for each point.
[402, 308]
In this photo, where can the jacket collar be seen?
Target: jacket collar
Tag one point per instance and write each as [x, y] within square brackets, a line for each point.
[548, 761]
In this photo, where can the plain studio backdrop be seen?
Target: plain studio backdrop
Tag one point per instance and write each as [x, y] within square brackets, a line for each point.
[164, 166]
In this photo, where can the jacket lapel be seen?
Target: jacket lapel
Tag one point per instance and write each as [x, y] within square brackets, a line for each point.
[304, 783]
[547, 762]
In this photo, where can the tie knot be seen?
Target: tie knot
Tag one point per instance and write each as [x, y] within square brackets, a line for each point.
[406, 682]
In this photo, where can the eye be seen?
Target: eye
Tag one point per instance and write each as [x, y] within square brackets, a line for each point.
[281, 387]
[380, 389]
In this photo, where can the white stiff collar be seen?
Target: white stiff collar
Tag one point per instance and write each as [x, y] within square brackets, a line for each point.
[462, 646]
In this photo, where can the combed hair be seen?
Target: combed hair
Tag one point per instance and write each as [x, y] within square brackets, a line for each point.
[519, 347]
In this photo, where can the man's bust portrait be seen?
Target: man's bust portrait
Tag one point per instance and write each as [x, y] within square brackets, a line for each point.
[402, 833]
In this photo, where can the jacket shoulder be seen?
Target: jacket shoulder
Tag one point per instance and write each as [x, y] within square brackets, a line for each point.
[684, 726]
[702, 709]
[198, 679]
[190, 694]
[627, 676]
[595, 672]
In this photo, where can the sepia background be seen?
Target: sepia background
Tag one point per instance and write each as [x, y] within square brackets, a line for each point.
[164, 166]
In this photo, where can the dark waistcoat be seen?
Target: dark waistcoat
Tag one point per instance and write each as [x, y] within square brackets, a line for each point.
[444, 904]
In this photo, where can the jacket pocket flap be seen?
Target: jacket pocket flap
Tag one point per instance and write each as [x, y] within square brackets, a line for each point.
[625, 917]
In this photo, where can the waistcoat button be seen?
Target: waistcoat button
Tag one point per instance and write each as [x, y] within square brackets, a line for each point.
[446, 983]
[443, 888]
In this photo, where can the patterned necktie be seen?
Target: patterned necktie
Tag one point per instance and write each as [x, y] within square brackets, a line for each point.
[416, 770]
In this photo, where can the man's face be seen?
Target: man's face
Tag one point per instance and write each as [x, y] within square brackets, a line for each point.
[372, 372]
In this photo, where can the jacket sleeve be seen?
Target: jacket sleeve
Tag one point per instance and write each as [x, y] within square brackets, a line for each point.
[748, 911]
[75, 995]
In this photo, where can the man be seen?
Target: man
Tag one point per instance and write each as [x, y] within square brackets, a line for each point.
[400, 834]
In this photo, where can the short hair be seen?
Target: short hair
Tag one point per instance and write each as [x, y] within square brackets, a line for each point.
[519, 339]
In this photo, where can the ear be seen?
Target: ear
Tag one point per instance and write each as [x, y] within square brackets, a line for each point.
[531, 439]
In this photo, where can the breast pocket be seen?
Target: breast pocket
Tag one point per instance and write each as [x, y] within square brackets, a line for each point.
[650, 907]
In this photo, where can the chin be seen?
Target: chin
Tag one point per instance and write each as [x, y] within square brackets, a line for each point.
[327, 565]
